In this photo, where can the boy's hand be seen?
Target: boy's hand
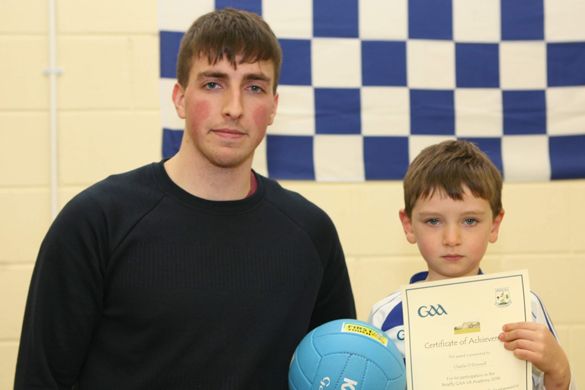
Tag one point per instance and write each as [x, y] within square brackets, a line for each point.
[535, 343]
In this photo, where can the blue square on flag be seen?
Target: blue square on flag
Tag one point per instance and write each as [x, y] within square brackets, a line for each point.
[383, 63]
[432, 112]
[169, 49]
[290, 157]
[567, 158]
[477, 65]
[566, 64]
[385, 157]
[335, 18]
[248, 5]
[524, 112]
[337, 111]
[492, 147]
[522, 19]
[171, 142]
[296, 62]
[430, 19]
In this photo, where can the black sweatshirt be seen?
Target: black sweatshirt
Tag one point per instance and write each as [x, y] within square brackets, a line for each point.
[140, 285]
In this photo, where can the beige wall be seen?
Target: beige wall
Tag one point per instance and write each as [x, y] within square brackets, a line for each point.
[109, 122]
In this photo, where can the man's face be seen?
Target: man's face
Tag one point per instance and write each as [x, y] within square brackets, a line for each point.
[452, 235]
[226, 110]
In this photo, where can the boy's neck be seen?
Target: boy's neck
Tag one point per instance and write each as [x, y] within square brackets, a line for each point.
[429, 276]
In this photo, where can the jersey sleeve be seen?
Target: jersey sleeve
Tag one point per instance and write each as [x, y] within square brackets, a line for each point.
[540, 315]
[387, 316]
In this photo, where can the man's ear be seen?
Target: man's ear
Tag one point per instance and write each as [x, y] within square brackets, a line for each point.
[179, 100]
[496, 226]
[274, 107]
[407, 226]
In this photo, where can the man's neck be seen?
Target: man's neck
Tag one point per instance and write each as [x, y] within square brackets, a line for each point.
[208, 181]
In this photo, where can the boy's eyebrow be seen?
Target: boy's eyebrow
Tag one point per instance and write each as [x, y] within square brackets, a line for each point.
[424, 213]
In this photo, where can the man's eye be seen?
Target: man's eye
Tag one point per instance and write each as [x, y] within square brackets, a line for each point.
[256, 89]
[211, 85]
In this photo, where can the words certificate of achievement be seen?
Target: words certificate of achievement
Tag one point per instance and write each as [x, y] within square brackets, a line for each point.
[451, 332]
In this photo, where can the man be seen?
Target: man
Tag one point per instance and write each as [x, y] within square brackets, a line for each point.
[195, 272]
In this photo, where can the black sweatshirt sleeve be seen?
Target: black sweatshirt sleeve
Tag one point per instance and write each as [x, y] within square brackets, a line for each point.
[335, 299]
[64, 300]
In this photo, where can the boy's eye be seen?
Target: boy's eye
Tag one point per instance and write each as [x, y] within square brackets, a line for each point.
[470, 221]
[432, 221]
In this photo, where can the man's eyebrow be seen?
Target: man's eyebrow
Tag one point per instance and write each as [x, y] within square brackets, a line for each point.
[212, 74]
[257, 77]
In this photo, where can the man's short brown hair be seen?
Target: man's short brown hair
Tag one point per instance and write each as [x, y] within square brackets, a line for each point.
[448, 167]
[228, 33]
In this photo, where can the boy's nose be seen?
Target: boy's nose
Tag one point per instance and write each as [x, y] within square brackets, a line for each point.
[451, 236]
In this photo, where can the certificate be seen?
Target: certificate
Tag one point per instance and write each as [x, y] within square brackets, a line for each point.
[451, 332]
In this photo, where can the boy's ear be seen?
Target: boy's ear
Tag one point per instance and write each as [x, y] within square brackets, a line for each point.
[496, 226]
[407, 226]
[179, 100]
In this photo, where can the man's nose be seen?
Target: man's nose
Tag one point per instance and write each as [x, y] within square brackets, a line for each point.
[232, 105]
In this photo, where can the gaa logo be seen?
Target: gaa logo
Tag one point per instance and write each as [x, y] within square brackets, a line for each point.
[431, 311]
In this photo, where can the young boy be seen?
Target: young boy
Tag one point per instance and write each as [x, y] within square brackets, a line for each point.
[453, 209]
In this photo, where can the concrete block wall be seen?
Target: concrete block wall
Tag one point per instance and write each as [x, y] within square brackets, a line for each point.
[109, 121]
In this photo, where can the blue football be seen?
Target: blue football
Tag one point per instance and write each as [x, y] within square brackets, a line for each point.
[347, 354]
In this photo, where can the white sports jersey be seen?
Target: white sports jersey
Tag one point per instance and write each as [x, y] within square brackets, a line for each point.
[387, 315]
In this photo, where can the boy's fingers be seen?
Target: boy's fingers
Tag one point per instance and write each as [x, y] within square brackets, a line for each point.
[521, 344]
[518, 334]
[518, 325]
[525, 354]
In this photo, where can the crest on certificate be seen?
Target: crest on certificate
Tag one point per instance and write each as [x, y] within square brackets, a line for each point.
[467, 327]
[503, 297]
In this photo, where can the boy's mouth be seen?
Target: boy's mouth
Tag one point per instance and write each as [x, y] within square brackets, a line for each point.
[452, 257]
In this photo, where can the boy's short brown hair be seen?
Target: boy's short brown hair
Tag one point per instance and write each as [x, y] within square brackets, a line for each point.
[227, 33]
[448, 167]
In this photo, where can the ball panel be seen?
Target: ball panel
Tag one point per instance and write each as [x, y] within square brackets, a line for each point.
[347, 354]
[297, 380]
[337, 367]
[305, 361]
[374, 377]
[398, 383]
[335, 341]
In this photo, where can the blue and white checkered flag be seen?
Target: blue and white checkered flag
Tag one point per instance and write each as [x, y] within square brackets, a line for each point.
[365, 85]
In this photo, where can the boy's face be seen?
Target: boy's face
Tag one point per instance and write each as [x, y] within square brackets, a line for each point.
[226, 110]
[452, 235]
